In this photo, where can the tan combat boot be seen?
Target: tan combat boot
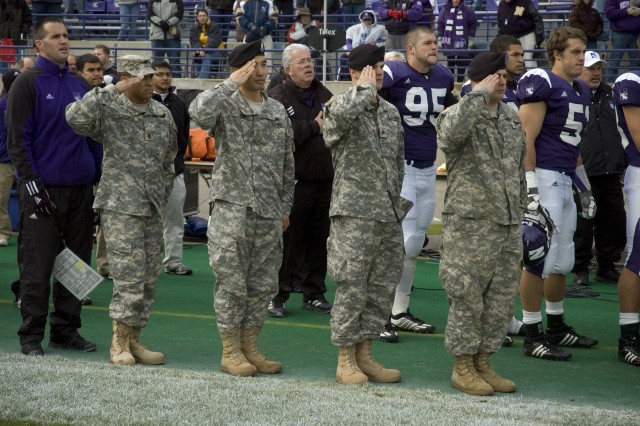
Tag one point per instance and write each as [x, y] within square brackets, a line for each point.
[119, 353]
[486, 372]
[348, 372]
[249, 347]
[140, 353]
[465, 377]
[233, 361]
[372, 368]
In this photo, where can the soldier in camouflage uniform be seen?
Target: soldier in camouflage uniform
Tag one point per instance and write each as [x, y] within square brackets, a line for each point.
[251, 197]
[365, 247]
[139, 138]
[481, 253]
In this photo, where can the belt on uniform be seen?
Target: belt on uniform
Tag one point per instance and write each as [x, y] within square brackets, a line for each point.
[418, 164]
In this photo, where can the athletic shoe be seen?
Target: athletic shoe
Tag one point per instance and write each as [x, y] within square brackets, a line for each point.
[86, 301]
[541, 348]
[567, 336]
[629, 350]
[508, 341]
[609, 276]
[581, 277]
[75, 343]
[389, 335]
[516, 327]
[406, 321]
[32, 349]
[179, 269]
[276, 310]
[4, 242]
[580, 291]
[317, 305]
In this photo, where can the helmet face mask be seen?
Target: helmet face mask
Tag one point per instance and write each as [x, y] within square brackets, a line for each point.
[536, 237]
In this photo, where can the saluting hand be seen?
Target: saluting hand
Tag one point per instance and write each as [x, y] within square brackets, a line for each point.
[241, 75]
[368, 75]
[490, 82]
[125, 83]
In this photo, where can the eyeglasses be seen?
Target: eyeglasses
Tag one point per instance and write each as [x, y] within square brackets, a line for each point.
[307, 61]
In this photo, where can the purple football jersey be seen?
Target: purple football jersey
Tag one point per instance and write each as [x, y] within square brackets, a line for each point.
[567, 116]
[626, 91]
[419, 99]
[509, 97]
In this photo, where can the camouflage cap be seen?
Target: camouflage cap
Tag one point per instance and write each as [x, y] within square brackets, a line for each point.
[135, 65]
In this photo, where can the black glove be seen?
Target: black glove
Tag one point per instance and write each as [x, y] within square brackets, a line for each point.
[263, 31]
[307, 29]
[43, 204]
[164, 25]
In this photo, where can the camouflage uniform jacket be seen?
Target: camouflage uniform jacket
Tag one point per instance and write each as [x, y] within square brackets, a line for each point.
[139, 149]
[367, 146]
[254, 164]
[485, 160]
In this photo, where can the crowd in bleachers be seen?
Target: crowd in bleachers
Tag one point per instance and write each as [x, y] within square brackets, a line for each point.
[104, 19]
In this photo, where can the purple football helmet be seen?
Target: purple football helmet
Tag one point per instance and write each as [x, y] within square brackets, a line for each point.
[536, 237]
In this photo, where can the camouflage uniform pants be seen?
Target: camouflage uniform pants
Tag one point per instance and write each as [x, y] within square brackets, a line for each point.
[365, 260]
[480, 269]
[134, 250]
[245, 253]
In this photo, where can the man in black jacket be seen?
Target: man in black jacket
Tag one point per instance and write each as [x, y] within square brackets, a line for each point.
[173, 211]
[603, 158]
[305, 242]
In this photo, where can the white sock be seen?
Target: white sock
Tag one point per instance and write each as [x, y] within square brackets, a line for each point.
[555, 308]
[531, 317]
[629, 318]
[514, 326]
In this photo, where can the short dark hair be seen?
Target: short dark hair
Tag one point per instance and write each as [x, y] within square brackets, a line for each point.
[415, 33]
[38, 31]
[502, 43]
[87, 58]
[201, 10]
[161, 63]
[104, 48]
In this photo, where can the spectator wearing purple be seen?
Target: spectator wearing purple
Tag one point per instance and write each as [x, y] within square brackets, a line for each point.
[624, 19]
[457, 25]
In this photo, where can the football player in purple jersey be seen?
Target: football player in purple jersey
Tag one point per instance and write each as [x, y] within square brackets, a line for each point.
[627, 94]
[420, 89]
[515, 67]
[554, 108]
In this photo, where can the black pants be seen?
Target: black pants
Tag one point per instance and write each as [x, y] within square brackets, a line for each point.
[607, 228]
[305, 242]
[40, 239]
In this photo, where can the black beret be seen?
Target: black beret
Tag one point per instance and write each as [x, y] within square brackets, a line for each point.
[365, 54]
[486, 63]
[8, 77]
[245, 52]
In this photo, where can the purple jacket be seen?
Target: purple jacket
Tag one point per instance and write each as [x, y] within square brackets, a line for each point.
[42, 146]
[621, 21]
[470, 22]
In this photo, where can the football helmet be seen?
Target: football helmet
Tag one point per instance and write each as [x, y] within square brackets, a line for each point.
[536, 236]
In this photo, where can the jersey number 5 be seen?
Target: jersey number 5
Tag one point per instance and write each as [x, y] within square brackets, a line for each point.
[572, 127]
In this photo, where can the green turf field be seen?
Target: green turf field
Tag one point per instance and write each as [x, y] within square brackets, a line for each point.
[183, 327]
